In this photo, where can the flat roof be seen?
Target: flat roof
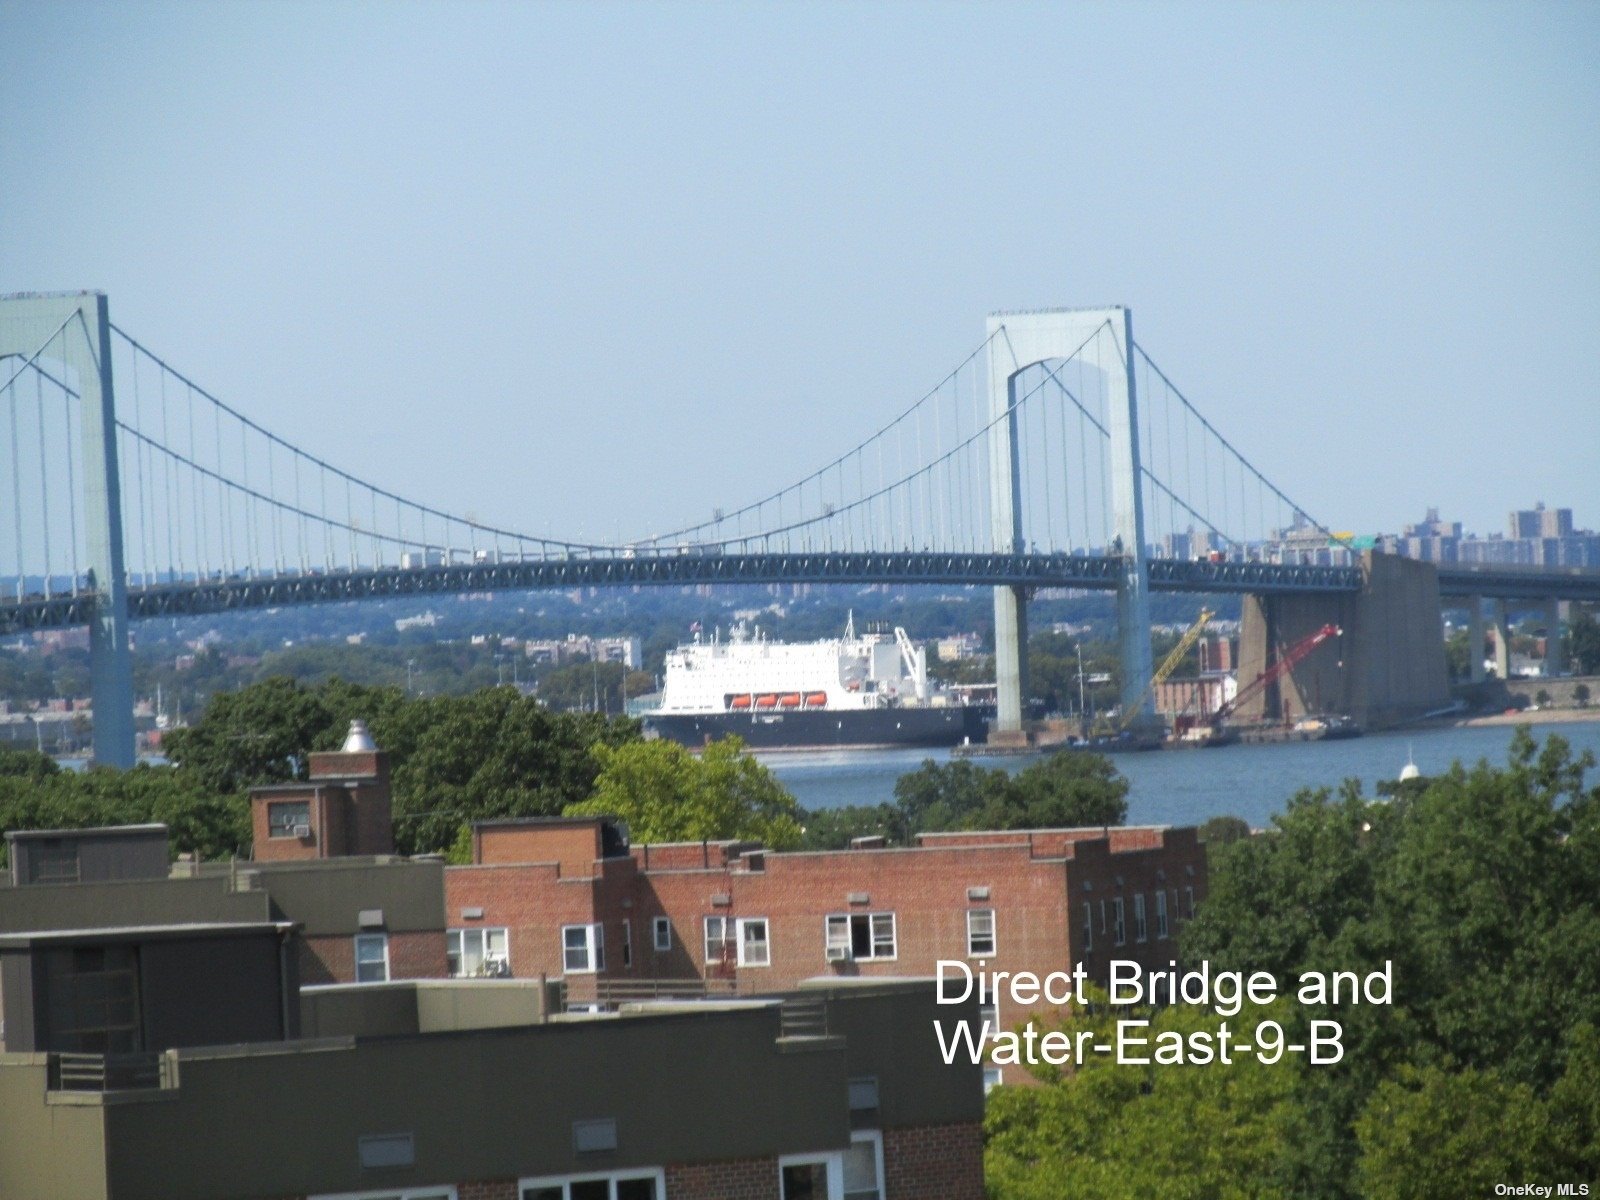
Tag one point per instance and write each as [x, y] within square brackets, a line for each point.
[144, 932]
[13, 835]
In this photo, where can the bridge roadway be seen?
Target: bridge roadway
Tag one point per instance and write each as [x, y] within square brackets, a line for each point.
[1089, 572]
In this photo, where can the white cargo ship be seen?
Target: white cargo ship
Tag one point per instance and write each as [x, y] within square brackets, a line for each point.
[870, 689]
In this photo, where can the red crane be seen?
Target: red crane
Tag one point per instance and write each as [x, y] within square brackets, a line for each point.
[1207, 728]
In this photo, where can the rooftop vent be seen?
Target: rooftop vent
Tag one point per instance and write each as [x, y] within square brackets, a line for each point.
[358, 740]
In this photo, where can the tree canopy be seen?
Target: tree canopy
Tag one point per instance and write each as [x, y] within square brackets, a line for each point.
[666, 794]
[1480, 887]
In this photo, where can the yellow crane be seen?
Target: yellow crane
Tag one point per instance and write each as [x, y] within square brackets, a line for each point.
[1169, 664]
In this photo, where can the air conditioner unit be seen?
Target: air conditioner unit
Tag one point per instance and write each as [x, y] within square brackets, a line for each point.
[838, 953]
[302, 831]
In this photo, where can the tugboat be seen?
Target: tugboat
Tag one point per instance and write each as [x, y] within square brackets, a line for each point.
[866, 690]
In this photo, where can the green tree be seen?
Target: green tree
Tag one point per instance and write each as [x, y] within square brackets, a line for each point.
[665, 794]
[941, 796]
[1105, 1130]
[1583, 633]
[1222, 831]
[1581, 695]
[835, 828]
[1430, 1134]
[1065, 790]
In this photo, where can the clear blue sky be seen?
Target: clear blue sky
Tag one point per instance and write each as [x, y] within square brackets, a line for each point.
[593, 267]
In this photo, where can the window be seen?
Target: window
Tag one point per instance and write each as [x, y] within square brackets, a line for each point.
[1119, 929]
[372, 958]
[426, 1193]
[661, 931]
[1102, 916]
[627, 942]
[866, 935]
[1161, 914]
[477, 952]
[636, 1183]
[92, 998]
[980, 931]
[1141, 928]
[583, 948]
[54, 860]
[811, 1176]
[285, 816]
[719, 941]
[1088, 926]
[1188, 902]
[754, 949]
[863, 1166]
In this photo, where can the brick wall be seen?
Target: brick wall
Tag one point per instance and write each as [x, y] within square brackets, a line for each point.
[734, 1179]
[332, 959]
[487, 1189]
[934, 1160]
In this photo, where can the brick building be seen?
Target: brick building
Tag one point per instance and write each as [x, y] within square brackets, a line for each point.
[569, 899]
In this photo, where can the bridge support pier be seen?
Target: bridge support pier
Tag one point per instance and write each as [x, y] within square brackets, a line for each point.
[77, 327]
[1502, 641]
[1475, 639]
[1387, 666]
[1555, 658]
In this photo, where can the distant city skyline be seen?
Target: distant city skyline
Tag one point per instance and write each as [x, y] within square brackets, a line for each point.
[589, 269]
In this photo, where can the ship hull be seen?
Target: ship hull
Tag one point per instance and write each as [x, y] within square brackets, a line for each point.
[876, 727]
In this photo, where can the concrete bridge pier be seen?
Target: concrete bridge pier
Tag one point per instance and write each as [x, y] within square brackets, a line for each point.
[1386, 667]
[1502, 641]
[1555, 657]
[1475, 638]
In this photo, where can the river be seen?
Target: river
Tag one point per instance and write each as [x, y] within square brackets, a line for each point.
[1186, 787]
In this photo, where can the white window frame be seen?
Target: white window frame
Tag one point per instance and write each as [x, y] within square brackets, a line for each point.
[594, 947]
[457, 939]
[1188, 903]
[833, 923]
[860, 1137]
[383, 940]
[1141, 925]
[661, 934]
[992, 1078]
[1088, 926]
[1119, 922]
[565, 1182]
[972, 937]
[1161, 915]
[1102, 918]
[284, 831]
[716, 948]
[832, 1159]
[627, 941]
[744, 923]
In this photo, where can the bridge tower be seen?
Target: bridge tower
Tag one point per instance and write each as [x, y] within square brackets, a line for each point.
[1019, 340]
[74, 329]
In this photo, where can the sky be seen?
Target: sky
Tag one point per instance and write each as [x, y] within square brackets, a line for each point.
[587, 269]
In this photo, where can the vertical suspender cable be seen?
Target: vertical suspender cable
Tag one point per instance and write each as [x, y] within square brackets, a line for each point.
[72, 489]
[16, 489]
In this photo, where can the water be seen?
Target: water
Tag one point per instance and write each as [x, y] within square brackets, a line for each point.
[1187, 787]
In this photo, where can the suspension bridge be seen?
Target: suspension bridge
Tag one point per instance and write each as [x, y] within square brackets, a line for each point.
[1056, 454]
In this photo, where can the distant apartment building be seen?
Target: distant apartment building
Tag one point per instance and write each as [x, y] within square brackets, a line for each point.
[959, 646]
[629, 651]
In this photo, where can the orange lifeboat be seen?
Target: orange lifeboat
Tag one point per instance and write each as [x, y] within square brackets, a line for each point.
[739, 702]
[789, 700]
[817, 700]
[767, 701]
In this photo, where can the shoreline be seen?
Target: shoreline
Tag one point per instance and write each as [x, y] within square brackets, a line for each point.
[1543, 716]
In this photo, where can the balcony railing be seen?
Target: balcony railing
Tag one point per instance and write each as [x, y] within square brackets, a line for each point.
[71, 1072]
